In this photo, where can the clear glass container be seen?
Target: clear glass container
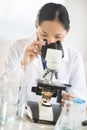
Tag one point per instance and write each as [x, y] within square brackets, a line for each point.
[71, 116]
[8, 99]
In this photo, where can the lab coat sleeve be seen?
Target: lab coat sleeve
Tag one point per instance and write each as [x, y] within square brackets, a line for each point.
[12, 61]
[13, 66]
[77, 79]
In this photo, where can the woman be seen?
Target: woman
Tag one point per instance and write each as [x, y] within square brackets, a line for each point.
[53, 24]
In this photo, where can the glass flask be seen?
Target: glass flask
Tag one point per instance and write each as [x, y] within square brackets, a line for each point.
[71, 115]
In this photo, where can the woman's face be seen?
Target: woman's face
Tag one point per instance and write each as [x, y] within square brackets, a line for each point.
[52, 31]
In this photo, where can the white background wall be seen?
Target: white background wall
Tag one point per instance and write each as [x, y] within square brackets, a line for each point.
[77, 36]
[12, 30]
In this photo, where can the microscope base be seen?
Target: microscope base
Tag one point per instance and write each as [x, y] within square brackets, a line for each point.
[43, 114]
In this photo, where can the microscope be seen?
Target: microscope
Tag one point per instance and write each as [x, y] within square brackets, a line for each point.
[48, 87]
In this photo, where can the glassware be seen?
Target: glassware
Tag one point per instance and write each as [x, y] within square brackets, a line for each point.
[8, 99]
[20, 113]
[71, 115]
[21, 102]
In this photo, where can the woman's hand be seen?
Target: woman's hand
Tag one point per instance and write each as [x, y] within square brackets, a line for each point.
[66, 96]
[31, 52]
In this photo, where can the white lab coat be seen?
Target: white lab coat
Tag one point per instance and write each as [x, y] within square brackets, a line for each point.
[71, 71]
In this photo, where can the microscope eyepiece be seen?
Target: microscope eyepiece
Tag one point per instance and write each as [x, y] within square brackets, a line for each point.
[57, 45]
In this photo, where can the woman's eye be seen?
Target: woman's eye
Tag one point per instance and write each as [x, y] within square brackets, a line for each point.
[57, 37]
[44, 35]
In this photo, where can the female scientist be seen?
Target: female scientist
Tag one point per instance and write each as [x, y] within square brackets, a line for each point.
[52, 23]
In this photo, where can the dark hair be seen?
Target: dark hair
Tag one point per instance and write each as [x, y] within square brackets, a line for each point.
[54, 11]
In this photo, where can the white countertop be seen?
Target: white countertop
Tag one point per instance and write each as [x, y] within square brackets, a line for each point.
[25, 125]
[28, 125]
